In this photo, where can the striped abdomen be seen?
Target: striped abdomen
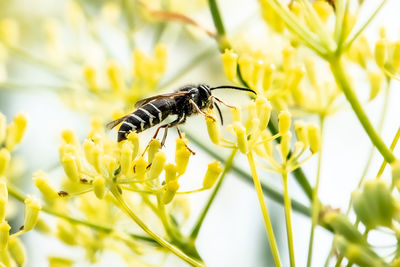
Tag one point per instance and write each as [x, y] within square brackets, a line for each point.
[145, 117]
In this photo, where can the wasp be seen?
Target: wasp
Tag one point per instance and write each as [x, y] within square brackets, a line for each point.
[183, 103]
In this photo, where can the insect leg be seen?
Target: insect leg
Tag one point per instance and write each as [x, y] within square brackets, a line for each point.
[222, 102]
[199, 111]
[180, 136]
[166, 126]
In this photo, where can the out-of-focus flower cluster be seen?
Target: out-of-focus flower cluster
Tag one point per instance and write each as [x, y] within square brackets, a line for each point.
[12, 251]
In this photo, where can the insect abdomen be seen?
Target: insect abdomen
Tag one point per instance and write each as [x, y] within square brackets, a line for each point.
[145, 117]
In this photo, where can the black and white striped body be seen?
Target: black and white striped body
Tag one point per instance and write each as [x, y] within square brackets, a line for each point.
[160, 107]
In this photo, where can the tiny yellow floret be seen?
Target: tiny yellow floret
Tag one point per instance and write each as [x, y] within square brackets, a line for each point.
[284, 119]
[182, 160]
[32, 208]
[381, 52]
[99, 186]
[70, 167]
[241, 137]
[229, 62]
[3, 199]
[4, 160]
[42, 182]
[213, 130]
[4, 235]
[17, 250]
[157, 165]
[314, 138]
[213, 171]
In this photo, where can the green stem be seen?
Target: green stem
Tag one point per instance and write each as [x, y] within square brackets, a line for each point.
[264, 209]
[344, 84]
[315, 202]
[219, 25]
[18, 195]
[164, 243]
[268, 190]
[363, 27]
[288, 219]
[198, 224]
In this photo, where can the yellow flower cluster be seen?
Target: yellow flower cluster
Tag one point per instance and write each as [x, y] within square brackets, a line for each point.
[253, 135]
[286, 85]
[12, 250]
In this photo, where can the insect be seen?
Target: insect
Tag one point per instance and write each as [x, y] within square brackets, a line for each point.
[184, 102]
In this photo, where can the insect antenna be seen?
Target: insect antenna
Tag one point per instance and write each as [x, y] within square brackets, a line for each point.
[220, 114]
[234, 88]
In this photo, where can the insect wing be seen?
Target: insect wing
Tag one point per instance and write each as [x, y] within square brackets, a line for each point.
[114, 123]
[152, 98]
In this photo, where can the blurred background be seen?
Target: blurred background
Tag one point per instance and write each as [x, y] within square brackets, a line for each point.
[39, 75]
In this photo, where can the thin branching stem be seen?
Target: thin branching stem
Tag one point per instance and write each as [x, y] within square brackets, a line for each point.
[264, 209]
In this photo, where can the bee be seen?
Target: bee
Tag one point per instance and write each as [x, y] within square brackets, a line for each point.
[183, 103]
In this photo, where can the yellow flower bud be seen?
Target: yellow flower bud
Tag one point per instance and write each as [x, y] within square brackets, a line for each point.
[87, 148]
[43, 184]
[134, 139]
[89, 74]
[181, 143]
[284, 119]
[16, 130]
[157, 165]
[246, 64]
[69, 137]
[182, 160]
[258, 74]
[268, 76]
[126, 158]
[241, 137]
[213, 171]
[288, 58]
[98, 158]
[213, 130]
[264, 111]
[3, 199]
[111, 165]
[99, 186]
[285, 144]
[229, 62]
[314, 138]
[60, 262]
[376, 79]
[381, 52]
[236, 114]
[301, 132]
[170, 172]
[395, 58]
[295, 77]
[140, 166]
[4, 235]
[32, 208]
[70, 167]
[171, 189]
[252, 110]
[3, 127]
[115, 77]
[66, 232]
[323, 9]
[154, 147]
[17, 250]
[4, 160]
[42, 227]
